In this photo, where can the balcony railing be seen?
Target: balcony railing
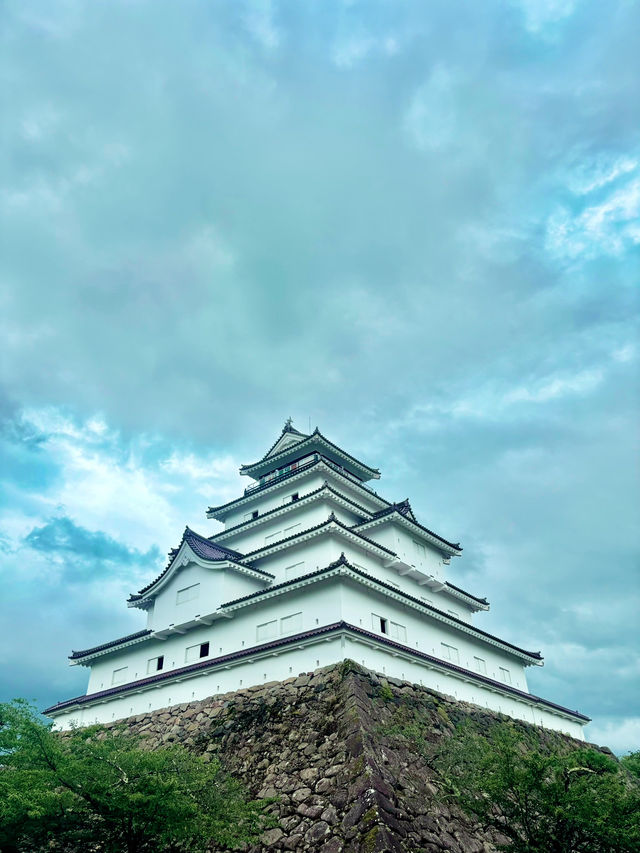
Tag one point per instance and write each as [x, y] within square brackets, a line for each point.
[289, 471]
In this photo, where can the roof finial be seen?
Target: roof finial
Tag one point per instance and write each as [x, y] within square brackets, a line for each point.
[288, 425]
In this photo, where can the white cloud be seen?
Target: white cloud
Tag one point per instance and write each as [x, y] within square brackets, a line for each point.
[431, 119]
[130, 490]
[592, 173]
[353, 49]
[541, 15]
[621, 735]
[260, 22]
[609, 227]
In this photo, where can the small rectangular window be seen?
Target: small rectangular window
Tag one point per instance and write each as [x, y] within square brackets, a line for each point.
[272, 537]
[189, 593]
[267, 630]
[480, 665]
[379, 623]
[155, 664]
[255, 513]
[289, 624]
[505, 675]
[398, 632]
[119, 675]
[294, 570]
[200, 650]
[294, 497]
[450, 653]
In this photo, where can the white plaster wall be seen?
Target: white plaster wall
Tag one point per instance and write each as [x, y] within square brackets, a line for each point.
[374, 566]
[216, 586]
[224, 635]
[323, 603]
[426, 634]
[397, 538]
[304, 483]
[316, 554]
[220, 680]
[296, 519]
[419, 673]
[321, 652]
[267, 499]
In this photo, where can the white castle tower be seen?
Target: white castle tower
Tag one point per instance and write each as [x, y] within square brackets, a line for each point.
[312, 567]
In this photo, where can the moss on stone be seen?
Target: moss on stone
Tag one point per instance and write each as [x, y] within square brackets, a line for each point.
[385, 692]
[442, 713]
[369, 840]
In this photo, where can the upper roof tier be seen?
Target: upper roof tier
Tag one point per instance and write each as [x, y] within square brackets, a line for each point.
[292, 445]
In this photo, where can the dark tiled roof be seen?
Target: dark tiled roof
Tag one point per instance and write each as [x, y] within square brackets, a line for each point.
[297, 638]
[405, 510]
[299, 470]
[287, 428]
[342, 561]
[137, 636]
[468, 594]
[316, 434]
[324, 488]
[202, 547]
[251, 555]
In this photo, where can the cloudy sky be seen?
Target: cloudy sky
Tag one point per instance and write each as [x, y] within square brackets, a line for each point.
[416, 225]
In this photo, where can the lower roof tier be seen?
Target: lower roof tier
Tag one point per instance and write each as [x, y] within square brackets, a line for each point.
[322, 633]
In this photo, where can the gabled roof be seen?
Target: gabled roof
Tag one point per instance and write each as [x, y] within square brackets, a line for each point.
[404, 511]
[219, 512]
[206, 550]
[289, 435]
[314, 442]
[331, 523]
[316, 493]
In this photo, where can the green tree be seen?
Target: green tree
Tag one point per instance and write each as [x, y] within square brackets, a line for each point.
[552, 799]
[101, 789]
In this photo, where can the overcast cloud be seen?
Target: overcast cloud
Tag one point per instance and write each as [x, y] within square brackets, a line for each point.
[416, 225]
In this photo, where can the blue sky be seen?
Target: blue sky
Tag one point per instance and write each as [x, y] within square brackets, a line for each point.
[416, 225]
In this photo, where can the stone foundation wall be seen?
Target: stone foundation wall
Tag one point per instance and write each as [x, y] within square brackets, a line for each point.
[320, 744]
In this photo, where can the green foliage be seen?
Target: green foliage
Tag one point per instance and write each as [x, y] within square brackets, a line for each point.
[386, 692]
[631, 763]
[553, 800]
[101, 789]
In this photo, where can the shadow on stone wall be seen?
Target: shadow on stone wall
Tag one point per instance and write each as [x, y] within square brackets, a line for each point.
[323, 745]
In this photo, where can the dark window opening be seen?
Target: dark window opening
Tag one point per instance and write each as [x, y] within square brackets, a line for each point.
[254, 514]
[204, 650]
[294, 496]
[383, 625]
[159, 662]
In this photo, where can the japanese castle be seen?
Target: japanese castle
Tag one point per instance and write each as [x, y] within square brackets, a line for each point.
[312, 567]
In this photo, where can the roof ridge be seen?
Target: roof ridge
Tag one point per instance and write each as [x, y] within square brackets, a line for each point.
[321, 460]
[84, 652]
[342, 561]
[249, 556]
[315, 433]
[324, 487]
[394, 508]
[189, 534]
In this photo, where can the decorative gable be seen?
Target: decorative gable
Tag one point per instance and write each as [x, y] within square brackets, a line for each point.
[290, 436]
